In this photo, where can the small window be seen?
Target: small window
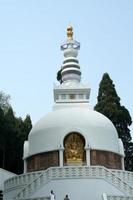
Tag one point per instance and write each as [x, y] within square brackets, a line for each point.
[80, 96]
[87, 96]
[57, 97]
[72, 96]
[63, 96]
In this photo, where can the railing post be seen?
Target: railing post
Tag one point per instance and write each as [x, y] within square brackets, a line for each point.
[87, 156]
[104, 196]
[25, 166]
[122, 162]
[61, 149]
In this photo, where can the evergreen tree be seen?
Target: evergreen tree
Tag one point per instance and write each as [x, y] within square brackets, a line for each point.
[4, 101]
[27, 126]
[13, 132]
[23, 128]
[9, 140]
[1, 136]
[59, 78]
[109, 105]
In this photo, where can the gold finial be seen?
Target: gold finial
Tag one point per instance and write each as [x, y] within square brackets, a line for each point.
[70, 32]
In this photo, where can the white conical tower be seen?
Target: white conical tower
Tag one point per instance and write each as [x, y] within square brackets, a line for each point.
[71, 90]
[70, 68]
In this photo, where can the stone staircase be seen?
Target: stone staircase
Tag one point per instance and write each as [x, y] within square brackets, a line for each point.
[55, 173]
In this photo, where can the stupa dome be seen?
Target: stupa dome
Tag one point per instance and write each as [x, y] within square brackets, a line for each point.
[48, 133]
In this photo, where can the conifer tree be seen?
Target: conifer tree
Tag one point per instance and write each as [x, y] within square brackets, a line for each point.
[1, 135]
[23, 128]
[59, 78]
[4, 101]
[13, 132]
[109, 105]
[10, 141]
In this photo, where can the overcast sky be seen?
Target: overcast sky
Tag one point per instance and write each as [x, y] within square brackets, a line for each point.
[31, 32]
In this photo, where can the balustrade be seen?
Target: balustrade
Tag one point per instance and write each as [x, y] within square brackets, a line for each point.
[33, 181]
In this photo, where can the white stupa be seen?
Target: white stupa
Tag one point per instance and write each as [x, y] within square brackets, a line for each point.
[73, 150]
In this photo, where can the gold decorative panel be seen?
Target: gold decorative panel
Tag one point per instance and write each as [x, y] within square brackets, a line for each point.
[74, 149]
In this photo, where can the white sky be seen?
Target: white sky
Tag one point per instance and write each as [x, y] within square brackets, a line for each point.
[31, 32]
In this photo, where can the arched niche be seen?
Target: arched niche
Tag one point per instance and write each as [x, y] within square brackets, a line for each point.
[74, 151]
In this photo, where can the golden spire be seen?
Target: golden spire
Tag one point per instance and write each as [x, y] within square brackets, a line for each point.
[70, 33]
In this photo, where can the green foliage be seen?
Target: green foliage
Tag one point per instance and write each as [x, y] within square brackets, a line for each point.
[59, 76]
[4, 101]
[109, 105]
[13, 132]
[1, 134]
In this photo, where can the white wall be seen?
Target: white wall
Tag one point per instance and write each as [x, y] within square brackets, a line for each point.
[78, 189]
[4, 174]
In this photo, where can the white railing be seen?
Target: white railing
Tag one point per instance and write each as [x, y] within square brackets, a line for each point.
[109, 197]
[124, 175]
[74, 172]
[23, 179]
[39, 198]
[116, 197]
[20, 180]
